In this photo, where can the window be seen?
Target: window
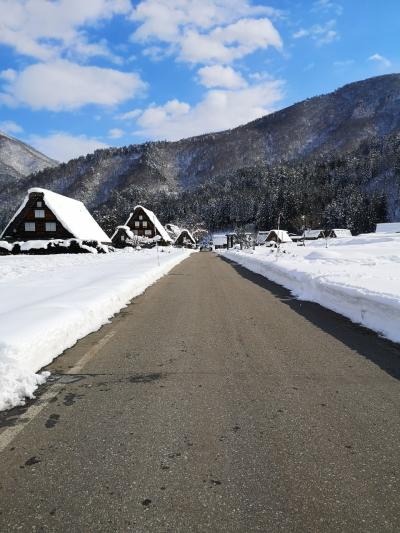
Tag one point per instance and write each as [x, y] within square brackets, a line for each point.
[140, 217]
[30, 226]
[147, 232]
[39, 204]
[39, 213]
[51, 226]
[122, 238]
[137, 224]
[144, 223]
[135, 232]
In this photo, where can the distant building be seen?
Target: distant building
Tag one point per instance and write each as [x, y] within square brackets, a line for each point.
[313, 234]
[185, 238]
[389, 227]
[279, 236]
[46, 215]
[340, 233]
[219, 240]
[141, 223]
[244, 239]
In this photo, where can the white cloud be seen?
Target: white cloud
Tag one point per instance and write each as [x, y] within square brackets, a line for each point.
[327, 5]
[64, 146]
[8, 74]
[219, 76]
[165, 20]
[44, 29]
[130, 115]
[210, 31]
[320, 33]
[62, 85]
[116, 133]
[225, 44]
[383, 61]
[9, 126]
[219, 110]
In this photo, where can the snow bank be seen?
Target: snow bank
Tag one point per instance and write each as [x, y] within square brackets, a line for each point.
[49, 302]
[358, 277]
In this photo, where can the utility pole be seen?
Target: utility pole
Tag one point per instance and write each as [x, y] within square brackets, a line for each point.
[303, 218]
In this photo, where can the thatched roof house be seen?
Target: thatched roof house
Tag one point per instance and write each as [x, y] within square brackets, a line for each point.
[47, 215]
[142, 223]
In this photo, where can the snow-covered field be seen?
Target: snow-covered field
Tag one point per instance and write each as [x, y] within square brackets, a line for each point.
[47, 303]
[358, 277]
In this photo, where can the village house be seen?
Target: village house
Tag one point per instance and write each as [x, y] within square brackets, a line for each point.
[185, 238]
[218, 240]
[279, 236]
[141, 223]
[46, 215]
[313, 234]
[340, 233]
[233, 238]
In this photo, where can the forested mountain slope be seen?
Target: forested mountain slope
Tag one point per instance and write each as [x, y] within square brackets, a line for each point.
[358, 121]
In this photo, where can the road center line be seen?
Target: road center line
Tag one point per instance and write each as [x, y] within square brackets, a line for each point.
[8, 435]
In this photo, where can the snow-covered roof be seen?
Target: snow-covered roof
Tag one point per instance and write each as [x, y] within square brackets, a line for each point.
[388, 227]
[173, 230]
[262, 237]
[72, 214]
[313, 233]
[188, 234]
[157, 224]
[281, 234]
[342, 232]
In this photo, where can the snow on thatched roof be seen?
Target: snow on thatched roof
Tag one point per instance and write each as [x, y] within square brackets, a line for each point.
[72, 214]
[313, 233]
[388, 227]
[339, 233]
[186, 232]
[173, 230]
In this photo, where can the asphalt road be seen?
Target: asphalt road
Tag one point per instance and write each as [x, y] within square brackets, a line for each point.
[213, 403]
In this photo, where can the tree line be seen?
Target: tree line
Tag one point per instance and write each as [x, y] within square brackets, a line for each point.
[334, 191]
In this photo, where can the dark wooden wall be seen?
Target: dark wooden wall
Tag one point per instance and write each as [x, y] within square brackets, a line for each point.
[16, 230]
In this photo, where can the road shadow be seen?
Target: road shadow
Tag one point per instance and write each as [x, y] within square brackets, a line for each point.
[367, 343]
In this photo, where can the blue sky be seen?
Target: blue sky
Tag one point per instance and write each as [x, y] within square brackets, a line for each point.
[76, 75]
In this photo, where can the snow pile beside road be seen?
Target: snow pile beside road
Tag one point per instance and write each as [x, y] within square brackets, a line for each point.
[49, 302]
[358, 277]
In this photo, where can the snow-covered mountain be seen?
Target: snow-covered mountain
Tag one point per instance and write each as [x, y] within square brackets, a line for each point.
[336, 123]
[18, 160]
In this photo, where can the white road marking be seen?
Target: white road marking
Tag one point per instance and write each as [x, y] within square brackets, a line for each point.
[91, 353]
[8, 435]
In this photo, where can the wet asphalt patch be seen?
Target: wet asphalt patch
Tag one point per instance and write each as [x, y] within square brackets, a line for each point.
[52, 421]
